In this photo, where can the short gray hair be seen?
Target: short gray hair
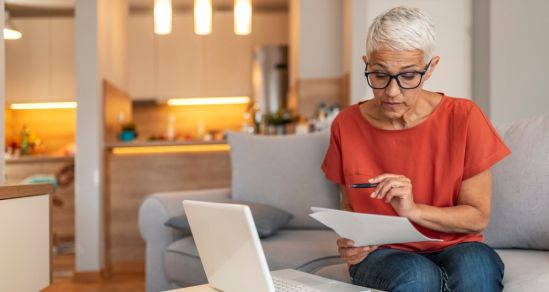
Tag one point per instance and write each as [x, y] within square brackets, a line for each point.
[402, 29]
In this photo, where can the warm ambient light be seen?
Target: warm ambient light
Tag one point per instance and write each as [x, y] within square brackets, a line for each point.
[171, 149]
[42, 105]
[163, 16]
[242, 17]
[209, 100]
[202, 17]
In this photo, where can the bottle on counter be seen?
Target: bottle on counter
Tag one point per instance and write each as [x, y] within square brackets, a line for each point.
[170, 131]
[24, 140]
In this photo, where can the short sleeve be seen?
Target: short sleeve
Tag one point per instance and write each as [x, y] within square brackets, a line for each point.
[332, 165]
[484, 147]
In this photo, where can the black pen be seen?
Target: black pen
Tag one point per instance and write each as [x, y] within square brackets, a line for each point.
[363, 186]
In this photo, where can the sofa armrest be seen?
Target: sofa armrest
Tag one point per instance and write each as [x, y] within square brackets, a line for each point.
[155, 210]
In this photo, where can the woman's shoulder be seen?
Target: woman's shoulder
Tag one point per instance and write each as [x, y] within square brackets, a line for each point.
[460, 107]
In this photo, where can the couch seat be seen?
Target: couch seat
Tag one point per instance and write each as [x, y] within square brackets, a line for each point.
[305, 250]
[525, 270]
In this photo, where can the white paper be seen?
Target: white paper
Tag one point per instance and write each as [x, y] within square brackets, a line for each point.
[369, 229]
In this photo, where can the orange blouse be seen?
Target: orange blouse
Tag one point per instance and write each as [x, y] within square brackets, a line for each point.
[453, 144]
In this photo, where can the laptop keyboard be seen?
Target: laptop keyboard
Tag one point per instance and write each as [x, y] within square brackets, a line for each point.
[285, 286]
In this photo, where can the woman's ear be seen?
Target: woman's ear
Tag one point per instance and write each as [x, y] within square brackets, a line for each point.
[432, 67]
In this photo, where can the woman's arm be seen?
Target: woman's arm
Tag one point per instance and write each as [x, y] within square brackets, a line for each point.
[470, 215]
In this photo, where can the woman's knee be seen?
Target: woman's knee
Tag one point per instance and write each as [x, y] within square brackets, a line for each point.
[397, 271]
[474, 266]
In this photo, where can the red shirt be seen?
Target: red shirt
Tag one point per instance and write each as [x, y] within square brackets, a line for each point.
[453, 144]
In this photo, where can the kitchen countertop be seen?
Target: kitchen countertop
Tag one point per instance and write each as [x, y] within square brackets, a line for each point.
[162, 143]
[38, 158]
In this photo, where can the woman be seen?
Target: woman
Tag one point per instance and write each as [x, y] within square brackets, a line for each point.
[430, 156]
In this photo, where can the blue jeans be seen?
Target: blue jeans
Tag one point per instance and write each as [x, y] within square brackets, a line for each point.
[469, 266]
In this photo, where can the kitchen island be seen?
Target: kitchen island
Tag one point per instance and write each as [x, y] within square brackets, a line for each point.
[137, 169]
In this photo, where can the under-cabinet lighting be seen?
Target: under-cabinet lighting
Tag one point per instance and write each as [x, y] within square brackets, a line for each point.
[42, 105]
[171, 149]
[209, 100]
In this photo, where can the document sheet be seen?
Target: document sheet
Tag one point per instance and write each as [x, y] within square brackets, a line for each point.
[369, 229]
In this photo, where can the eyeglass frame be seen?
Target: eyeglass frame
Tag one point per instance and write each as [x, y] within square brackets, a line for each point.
[395, 76]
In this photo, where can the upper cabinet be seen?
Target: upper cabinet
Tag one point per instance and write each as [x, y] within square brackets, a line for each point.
[40, 65]
[183, 64]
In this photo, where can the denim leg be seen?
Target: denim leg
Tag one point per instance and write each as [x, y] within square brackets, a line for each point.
[395, 270]
[471, 266]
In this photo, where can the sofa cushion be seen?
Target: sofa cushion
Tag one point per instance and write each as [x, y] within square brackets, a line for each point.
[305, 250]
[283, 171]
[267, 219]
[521, 188]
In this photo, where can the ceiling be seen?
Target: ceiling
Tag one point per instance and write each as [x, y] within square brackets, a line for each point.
[184, 4]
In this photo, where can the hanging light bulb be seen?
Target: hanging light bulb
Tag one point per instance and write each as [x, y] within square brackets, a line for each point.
[162, 16]
[202, 17]
[10, 32]
[242, 17]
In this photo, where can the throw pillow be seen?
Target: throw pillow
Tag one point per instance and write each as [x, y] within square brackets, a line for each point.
[267, 219]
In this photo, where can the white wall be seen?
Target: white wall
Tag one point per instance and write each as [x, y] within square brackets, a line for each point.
[519, 64]
[2, 96]
[320, 39]
[355, 28]
[100, 53]
[453, 20]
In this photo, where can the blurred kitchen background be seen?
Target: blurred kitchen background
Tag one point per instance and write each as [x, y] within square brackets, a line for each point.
[152, 97]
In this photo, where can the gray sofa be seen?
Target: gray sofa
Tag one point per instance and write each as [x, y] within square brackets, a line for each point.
[284, 172]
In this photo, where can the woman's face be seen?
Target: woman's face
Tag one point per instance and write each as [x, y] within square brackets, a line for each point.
[394, 101]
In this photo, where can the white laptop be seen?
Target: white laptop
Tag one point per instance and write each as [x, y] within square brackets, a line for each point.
[232, 256]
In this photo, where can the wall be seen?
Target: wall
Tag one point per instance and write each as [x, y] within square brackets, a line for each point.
[454, 41]
[320, 39]
[519, 61]
[2, 94]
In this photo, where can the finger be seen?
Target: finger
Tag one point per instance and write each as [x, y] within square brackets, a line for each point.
[344, 242]
[350, 251]
[384, 187]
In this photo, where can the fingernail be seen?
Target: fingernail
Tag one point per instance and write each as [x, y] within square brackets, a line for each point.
[371, 180]
[373, 194]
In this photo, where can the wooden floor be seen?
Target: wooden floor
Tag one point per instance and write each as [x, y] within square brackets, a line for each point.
[63, 271]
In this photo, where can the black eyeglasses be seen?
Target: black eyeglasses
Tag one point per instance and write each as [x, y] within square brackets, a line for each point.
[405, 80]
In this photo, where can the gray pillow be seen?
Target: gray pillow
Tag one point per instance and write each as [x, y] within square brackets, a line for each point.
[267, 219]
[519, 217]
[283, 171]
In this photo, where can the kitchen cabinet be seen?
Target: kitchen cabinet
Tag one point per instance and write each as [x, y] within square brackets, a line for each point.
[183, 64]
[40, 65]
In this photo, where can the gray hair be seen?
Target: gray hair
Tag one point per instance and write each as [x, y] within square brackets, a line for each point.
[402, 29]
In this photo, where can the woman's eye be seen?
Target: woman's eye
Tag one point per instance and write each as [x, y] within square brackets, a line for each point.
[381, 76]
[408, 76]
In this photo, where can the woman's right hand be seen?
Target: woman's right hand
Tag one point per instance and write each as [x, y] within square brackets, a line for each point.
[350, 254]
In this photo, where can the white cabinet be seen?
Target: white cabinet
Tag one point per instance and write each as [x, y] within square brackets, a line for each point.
[183, 64]
[228, 59]
[141, 56]
[40, 65]
[180, 60]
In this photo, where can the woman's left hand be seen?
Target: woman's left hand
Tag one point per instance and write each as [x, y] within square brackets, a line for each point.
[396, 190]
